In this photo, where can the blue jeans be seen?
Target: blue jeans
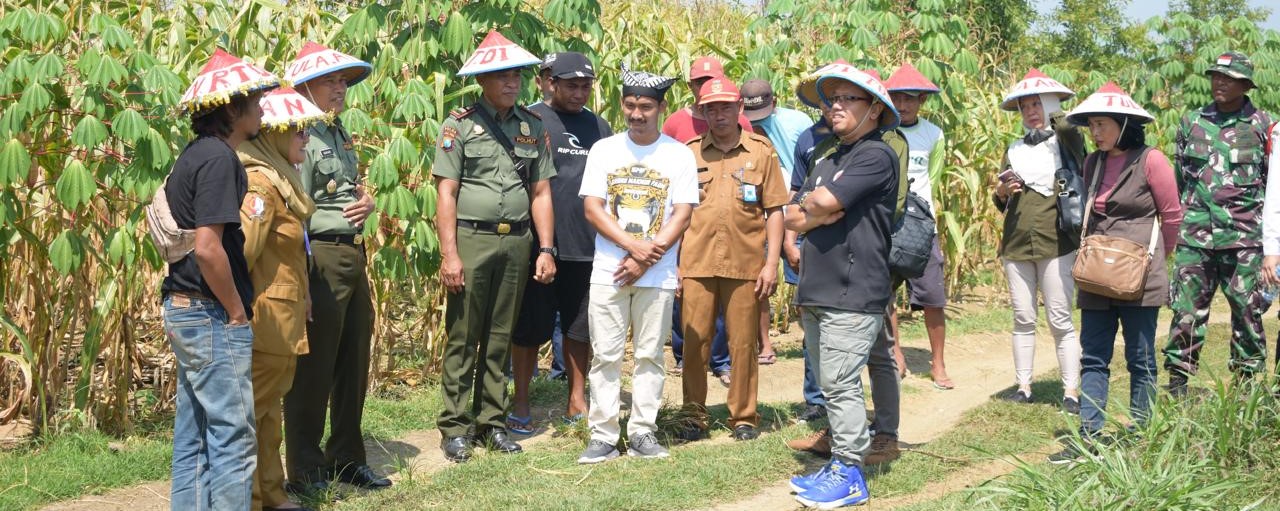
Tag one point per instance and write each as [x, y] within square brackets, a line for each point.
[214, 442]
[719, 362]
[1098, 339]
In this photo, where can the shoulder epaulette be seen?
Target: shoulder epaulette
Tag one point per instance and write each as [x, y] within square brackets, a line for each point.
[530, 112]
[460, 113]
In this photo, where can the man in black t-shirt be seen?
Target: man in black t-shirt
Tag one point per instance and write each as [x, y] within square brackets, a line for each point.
[573, 130]
[845, 209]
[208, 294]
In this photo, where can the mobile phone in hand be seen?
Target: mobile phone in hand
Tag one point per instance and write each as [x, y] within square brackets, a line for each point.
[1009, 176]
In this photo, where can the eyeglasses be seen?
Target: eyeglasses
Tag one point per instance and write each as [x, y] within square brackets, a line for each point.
[848, 98]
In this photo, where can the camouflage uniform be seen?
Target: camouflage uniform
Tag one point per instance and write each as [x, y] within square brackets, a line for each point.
[1221, 174]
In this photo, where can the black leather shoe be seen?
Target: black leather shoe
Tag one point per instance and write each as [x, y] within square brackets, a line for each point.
[362, 476]
[496, 440]
[457, 449]
[691, 434]
[745, 432]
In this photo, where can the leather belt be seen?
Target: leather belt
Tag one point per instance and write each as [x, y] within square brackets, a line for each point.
[345, 239]
[496, 227]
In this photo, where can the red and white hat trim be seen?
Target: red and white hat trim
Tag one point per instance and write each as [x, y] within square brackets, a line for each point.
[223, 77]
[315, 60]
[496, 53]
[1035, 82]
[909, 79]
[1109, 99]
[285, 110]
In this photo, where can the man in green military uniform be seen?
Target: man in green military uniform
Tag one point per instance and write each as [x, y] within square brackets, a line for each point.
[1221, 173]
[491, 169]
[334, 376]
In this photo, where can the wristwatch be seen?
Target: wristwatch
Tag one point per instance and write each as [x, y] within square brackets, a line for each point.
[549, 250]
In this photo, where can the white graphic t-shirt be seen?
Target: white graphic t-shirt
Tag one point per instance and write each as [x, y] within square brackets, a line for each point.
[640, 186]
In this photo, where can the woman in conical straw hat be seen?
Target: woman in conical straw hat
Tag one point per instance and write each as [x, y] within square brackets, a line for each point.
[1036, 253]
[272, 218]
[1133, 196]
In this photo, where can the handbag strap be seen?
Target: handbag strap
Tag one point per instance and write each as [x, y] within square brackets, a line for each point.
[1093, 190]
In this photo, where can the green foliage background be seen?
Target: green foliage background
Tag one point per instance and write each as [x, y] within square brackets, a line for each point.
[87, 133]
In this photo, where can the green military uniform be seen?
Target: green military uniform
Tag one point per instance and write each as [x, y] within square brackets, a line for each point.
[1221, 170]
[493, 242]
[335, 374]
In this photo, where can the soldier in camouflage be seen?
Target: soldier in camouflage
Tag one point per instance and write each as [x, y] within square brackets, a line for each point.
[1221, 172]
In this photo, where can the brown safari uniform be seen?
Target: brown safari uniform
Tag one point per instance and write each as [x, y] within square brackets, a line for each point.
[276, 252]
[721, 256]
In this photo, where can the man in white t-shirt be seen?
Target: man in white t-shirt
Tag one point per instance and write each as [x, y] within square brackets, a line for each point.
[908, 89]
[638, 191]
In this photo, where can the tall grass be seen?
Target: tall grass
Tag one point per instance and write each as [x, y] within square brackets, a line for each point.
[1211, 451]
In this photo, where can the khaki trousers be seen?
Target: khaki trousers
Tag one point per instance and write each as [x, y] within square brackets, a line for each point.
[702, 298]
[272, 378]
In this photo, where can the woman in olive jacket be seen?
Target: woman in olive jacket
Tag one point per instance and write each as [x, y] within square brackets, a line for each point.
[1036, 254]
[1135, 197]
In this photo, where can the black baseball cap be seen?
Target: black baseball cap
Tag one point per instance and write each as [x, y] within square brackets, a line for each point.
[570, 64]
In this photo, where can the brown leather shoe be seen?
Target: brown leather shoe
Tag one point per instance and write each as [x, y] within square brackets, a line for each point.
[884, 448]
[818, 443]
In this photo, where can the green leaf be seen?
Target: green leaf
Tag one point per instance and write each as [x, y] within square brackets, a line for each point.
[456, 36]
[403, 152]
[76, 186]
[89, 132]
[121, 248]
[382, 172]
[44, 28]
[13, 121]
[34, 99]
[107, 71]
[427, 200]
[399, 203]
[356, 121]
[966, 62]
[15, 163]
[49, 65]
[19, 69]
[164, 84]
[66, 253]
[129, 125]
[389, 263]
[154, 149]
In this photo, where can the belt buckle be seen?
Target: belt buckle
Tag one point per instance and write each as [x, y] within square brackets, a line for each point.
[504, 228]
[358, 239]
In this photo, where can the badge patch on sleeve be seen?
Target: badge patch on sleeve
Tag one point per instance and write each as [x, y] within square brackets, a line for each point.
[447, 136]
[254, 206]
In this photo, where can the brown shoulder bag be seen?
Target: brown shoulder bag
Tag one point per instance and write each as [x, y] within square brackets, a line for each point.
[1108, 265]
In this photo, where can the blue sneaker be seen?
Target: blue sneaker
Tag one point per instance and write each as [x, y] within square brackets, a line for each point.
[803, 483]
[843, 486]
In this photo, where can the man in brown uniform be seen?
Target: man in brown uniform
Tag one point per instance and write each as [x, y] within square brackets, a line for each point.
[726, 264]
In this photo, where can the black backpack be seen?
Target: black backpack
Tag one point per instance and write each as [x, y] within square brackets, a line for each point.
[912, 239]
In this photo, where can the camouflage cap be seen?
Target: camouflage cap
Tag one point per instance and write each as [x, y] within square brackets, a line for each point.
[1233, 64]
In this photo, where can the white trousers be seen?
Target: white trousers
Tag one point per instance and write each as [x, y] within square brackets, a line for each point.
[612, 311]
[1052, 277]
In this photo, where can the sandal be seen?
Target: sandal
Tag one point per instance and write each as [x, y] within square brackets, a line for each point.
[765, 360]
[946, 384]
[520, 425]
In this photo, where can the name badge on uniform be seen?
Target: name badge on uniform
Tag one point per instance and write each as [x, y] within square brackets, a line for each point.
[749, 194]
[326, 153]
[526, 140]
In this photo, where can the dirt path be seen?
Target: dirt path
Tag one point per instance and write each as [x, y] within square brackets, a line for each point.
[980, 365]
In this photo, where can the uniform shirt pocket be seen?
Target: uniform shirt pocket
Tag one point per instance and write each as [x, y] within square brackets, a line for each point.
[1246, 155]
[330, 179]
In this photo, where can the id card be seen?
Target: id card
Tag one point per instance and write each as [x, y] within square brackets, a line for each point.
[749, 194]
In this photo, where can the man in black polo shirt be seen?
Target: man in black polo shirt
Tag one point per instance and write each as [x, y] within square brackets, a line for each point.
[573, 130]
[208, 294]
[845, 209]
